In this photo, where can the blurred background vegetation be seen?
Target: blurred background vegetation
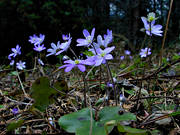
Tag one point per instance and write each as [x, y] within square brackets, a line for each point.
[21, 18]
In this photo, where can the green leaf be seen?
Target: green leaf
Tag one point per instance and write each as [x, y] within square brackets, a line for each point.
[88, 53]
[76, 120]
[131, 92]
[122, 65]
[15, 73]
[15, 124]
[43, 94]
[80, 122]
[131, 131]
[174, 113]
[112, 113]
[100, 101]
[176, 57]
[1, 106]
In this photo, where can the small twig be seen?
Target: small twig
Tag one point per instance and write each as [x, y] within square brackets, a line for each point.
[161, 69]
[18, 102]
[165, 33]
[155, 119]
[151, 97]
[21, 84]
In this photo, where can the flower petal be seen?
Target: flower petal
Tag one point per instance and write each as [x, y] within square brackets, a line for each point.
[69, 68]
[98, 61]
[82, 68]
[108, 57]
[109, 49]
[86, 33]
[92, 33]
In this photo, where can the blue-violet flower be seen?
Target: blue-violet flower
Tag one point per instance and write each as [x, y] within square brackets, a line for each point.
[66, 37]
[53, 50]
[64, 46]
[145, 52]
[88, 38]
[39, 47]
[151, 28]
[36, 40]
[102, 55]
[21, 65]
[15, 51]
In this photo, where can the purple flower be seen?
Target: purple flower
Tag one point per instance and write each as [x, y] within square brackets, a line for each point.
[36, 40]
[131, 57]
[40, 62]
[102, 55]
[15, 111]
[88, 38]
[107, 39]
[53, 50]
[122, 57]
[109, 85]
[20, 65]
[15, 51]
[154, 29]
[145, 52]
[109, 33]
[12, 62]
[66, 37]
[39, 47]
[76, 63]
[65, 57]
[64, 46]
[127, 52]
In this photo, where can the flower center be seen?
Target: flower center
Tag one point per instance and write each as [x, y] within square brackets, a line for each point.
[57, 50]
[76, 61]
[88, 38]
[151, 18]
[103, 54]
[150, 29]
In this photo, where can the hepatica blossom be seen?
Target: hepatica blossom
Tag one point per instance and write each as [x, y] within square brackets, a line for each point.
[64, 46]
[145, 52]
[36, 40]
[53, 50]
[127, 52]
[102, 55]
[70, 64]
[66, 37]
[122, 57]
[15, 111]
[15, 52]
[104, 42]
[39, 47]
[20, 65]
[88, 38]
[12, 62]
[151, 28]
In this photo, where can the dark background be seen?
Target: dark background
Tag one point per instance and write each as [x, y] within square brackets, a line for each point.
[21, 18]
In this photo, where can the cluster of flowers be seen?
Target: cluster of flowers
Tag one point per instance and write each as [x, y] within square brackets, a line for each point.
[128, 53]
[150, 28]
[100, 56]
[16, 51]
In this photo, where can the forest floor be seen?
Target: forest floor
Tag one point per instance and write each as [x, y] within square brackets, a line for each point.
[151, 92]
